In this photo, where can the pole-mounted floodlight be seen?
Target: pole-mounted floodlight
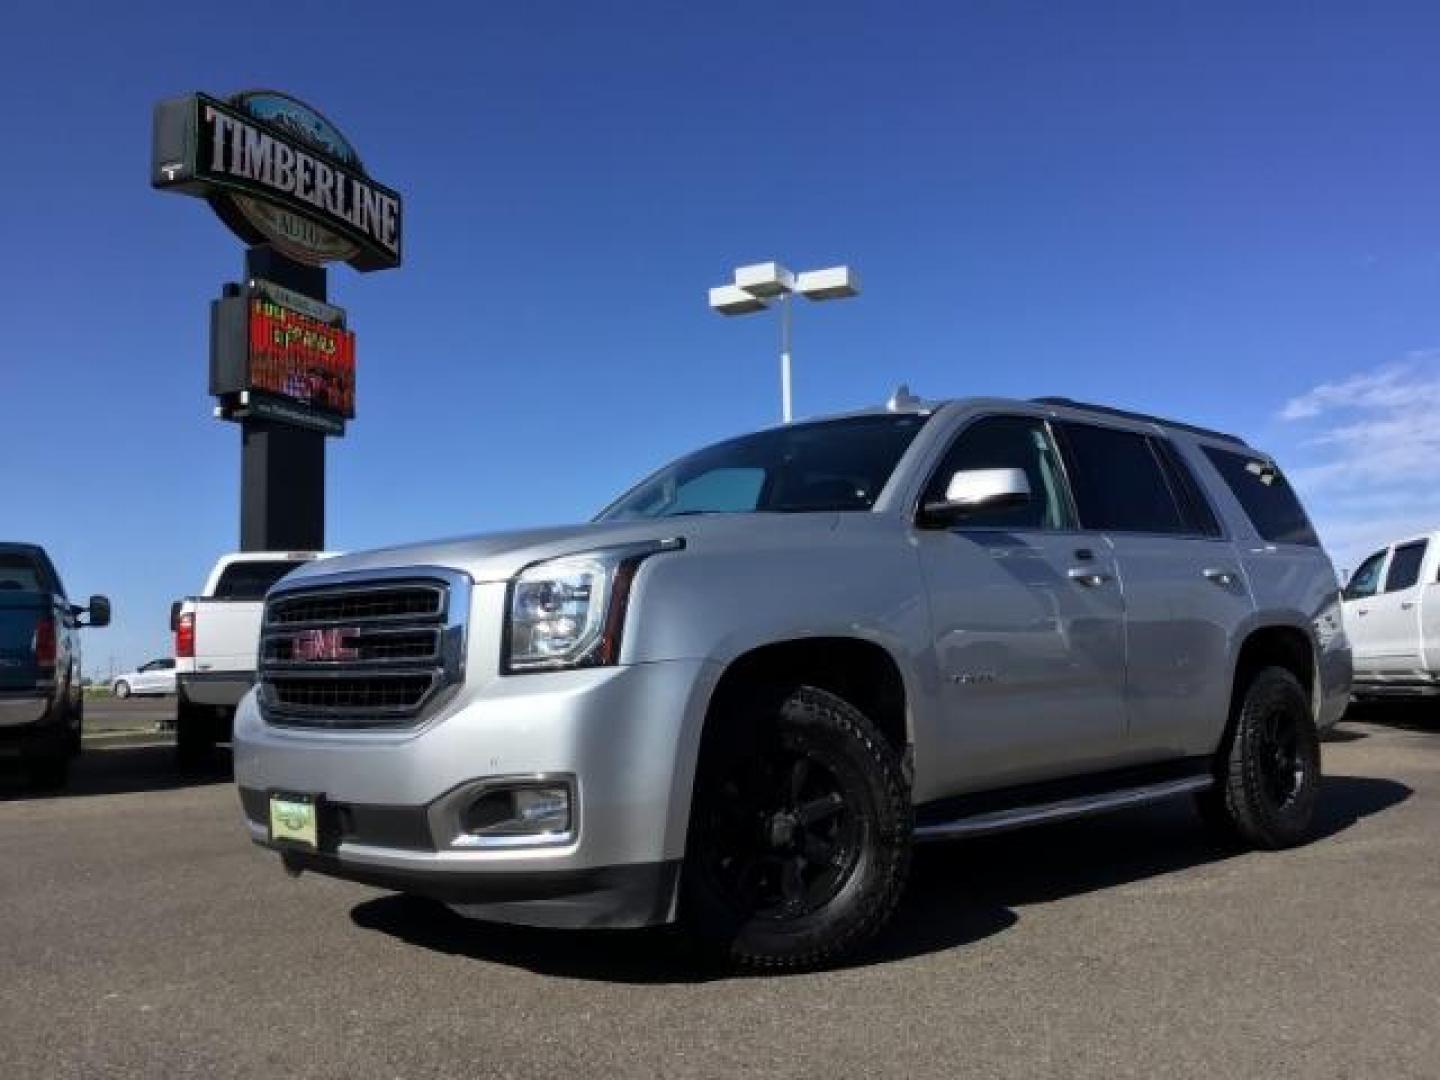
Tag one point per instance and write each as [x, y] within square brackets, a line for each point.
[757, 285]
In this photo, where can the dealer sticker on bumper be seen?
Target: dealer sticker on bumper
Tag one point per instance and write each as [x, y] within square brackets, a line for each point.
[293, 820]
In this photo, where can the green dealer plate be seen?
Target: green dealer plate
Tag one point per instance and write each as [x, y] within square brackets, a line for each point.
[293, 820]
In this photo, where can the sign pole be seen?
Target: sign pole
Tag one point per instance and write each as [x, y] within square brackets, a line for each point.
[282, 467]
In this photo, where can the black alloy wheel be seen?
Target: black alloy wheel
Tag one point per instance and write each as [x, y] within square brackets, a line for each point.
[799, 840]
[1280, 764]
[784, 832]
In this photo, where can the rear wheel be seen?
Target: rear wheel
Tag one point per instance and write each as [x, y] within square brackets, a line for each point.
[1268, 771]
[77, 727]
[195, 734]
[49, 771]
[122, 689]
[799, 840]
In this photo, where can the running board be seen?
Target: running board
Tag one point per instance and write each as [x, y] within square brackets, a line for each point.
[1000, 820]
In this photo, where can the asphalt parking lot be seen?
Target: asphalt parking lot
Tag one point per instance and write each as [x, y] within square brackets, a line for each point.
[144, 936]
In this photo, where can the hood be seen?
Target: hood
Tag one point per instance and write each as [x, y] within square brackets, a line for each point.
[500, 556]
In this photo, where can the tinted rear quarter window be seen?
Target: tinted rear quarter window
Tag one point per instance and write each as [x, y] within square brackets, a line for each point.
[1405, 566]
[1119, 482]
[1265, 495]
[250, 580]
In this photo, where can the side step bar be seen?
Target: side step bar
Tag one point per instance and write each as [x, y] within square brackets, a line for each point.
[1000, 820]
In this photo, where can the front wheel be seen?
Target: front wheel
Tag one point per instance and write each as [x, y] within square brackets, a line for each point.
[122, 689]
[1268, 772]
[799, 841]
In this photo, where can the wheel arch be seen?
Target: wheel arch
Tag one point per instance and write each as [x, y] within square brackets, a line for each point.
[1276, 645]
[862, 671]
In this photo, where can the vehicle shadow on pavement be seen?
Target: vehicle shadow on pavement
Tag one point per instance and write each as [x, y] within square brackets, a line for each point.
[1413, 715]
[117, 770]
[959, 893]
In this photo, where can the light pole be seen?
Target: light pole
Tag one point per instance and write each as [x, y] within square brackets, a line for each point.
[756, 286]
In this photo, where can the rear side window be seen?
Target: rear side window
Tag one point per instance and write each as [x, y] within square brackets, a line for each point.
[1405, 566]
[1193, 502]
[1266, 496]
[1119, 482]
[250, 580]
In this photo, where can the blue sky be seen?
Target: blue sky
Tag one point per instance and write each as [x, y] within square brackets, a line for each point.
[1221, 211]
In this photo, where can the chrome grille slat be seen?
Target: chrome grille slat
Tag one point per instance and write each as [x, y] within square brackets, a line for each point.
[382, 603]
[360, 650]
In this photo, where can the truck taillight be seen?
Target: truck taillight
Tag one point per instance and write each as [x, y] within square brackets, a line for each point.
[185, 635]
[45, 644]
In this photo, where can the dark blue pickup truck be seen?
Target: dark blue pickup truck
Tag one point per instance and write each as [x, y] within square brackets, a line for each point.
[41, 703]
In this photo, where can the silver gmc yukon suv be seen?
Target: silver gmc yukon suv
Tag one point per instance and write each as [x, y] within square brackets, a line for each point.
[738, 696]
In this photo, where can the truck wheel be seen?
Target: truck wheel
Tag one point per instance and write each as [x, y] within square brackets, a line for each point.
[1268, 771]
[77, 729]
[122, 689]
[194, 735]
[48, 772]
[799, 842]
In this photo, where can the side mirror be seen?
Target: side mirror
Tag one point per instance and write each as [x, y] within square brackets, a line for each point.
[99, 609]
[974, 491]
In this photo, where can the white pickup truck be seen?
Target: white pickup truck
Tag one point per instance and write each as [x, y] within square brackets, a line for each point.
[217, 636]
[1392, 617]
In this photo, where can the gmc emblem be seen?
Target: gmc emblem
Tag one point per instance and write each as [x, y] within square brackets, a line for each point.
[324, 644]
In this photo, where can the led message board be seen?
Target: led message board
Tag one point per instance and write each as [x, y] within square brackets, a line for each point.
[278, 355]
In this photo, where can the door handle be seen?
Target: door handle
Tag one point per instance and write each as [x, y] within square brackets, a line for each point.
[1223, 578]
[1089, 578]
[1362, 611]
[1406, 605]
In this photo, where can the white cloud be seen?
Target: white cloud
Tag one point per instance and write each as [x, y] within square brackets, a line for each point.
[1368, 454]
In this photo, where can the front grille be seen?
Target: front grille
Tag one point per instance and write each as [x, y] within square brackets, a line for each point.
[370, 604]
[351, 692]
[361, 651]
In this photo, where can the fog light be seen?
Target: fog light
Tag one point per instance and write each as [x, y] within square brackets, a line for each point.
[529, 810]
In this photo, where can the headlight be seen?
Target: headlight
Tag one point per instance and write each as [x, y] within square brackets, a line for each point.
[570, 612]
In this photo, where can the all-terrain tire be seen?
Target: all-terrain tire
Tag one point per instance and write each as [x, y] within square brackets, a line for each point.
[1267, 776]
[821, 752]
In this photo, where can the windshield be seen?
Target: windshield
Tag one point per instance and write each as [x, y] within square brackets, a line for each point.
[824, 466]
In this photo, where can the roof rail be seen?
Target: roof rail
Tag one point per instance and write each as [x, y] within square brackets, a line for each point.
[1106, 410]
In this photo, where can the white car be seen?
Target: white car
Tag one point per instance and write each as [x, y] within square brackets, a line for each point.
[156, 677]
[1392, 617]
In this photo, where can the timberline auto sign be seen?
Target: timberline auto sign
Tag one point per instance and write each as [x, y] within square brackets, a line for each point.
[278, 172]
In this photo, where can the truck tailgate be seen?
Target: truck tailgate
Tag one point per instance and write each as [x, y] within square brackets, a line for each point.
[19, 612]
[227, 634]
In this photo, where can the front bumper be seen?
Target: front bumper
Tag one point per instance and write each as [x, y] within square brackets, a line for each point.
[628, 737]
